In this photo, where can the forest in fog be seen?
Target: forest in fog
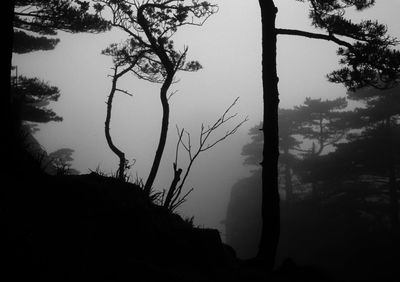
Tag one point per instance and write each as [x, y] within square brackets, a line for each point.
[171, 152]
[338, 184]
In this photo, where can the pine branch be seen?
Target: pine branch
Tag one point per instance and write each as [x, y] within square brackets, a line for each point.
[312, 35]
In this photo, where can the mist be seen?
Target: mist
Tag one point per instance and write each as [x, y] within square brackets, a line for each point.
[77, 67]
[226, 179]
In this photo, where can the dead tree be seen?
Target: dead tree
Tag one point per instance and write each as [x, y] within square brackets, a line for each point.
[174, 198]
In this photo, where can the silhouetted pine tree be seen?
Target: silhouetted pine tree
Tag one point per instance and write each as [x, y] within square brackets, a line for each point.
[371, 155]
[367, 41]
[31, 96]
[26, 98]
[46, 17]
[290, 122]
[151, 26]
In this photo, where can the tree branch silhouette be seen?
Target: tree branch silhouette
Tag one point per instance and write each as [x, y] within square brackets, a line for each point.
[312, 35]
[174, 198]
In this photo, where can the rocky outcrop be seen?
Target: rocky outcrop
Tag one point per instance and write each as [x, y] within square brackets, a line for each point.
[243, 218]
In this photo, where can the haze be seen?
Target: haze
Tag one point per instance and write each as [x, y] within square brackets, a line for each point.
[229, 48]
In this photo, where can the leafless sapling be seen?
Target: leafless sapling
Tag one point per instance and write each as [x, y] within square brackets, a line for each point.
[174, 196]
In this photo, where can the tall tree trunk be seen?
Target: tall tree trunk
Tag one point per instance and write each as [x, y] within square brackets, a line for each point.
[9, 134]
[270, 196]
[170, 70]
[163, 135]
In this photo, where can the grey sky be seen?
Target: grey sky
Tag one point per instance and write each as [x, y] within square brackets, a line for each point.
[229, 48]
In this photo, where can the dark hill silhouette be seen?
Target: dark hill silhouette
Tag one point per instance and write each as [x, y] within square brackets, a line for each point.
[84, 227]
[243, 220]
[96, 227]
[319, 239]
[92, 227]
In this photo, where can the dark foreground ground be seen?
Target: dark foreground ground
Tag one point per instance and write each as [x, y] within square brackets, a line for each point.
[91, 227]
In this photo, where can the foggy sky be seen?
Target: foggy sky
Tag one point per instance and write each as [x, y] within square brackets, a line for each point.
[229, 48]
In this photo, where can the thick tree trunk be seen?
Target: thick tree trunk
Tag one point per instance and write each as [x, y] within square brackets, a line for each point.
[163, 135]
[9, 134]
[170, 70]
[270, 196]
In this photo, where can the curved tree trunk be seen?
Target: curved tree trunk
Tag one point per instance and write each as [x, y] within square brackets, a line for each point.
[116, 76]
[170, 70]
[270, 196]
[163, 135]
[119, 153]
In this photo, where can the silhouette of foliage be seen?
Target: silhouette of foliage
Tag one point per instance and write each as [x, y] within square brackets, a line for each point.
[151, 26]
[370, 155]
[253, 150]
[367, 57]
[61, 159]
[25, 43]
[46, 17]
[28, 97]
[322, 121]
[32, 96]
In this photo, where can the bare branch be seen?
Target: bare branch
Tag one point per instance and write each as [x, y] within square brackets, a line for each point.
[203, 137]
[227, 134]
[181, 200]
[172, 94]
[124, 91]
[180, 134]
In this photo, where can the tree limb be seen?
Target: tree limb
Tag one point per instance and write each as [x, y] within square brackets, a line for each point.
[329, 37]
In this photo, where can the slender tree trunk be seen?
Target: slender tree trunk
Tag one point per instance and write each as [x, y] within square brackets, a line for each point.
[119, 153]
[163, 135]
[270, 196]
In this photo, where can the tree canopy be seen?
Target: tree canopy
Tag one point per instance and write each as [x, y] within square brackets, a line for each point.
[149, 51]
[368, 58]
[33, 95]
[46, 17]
